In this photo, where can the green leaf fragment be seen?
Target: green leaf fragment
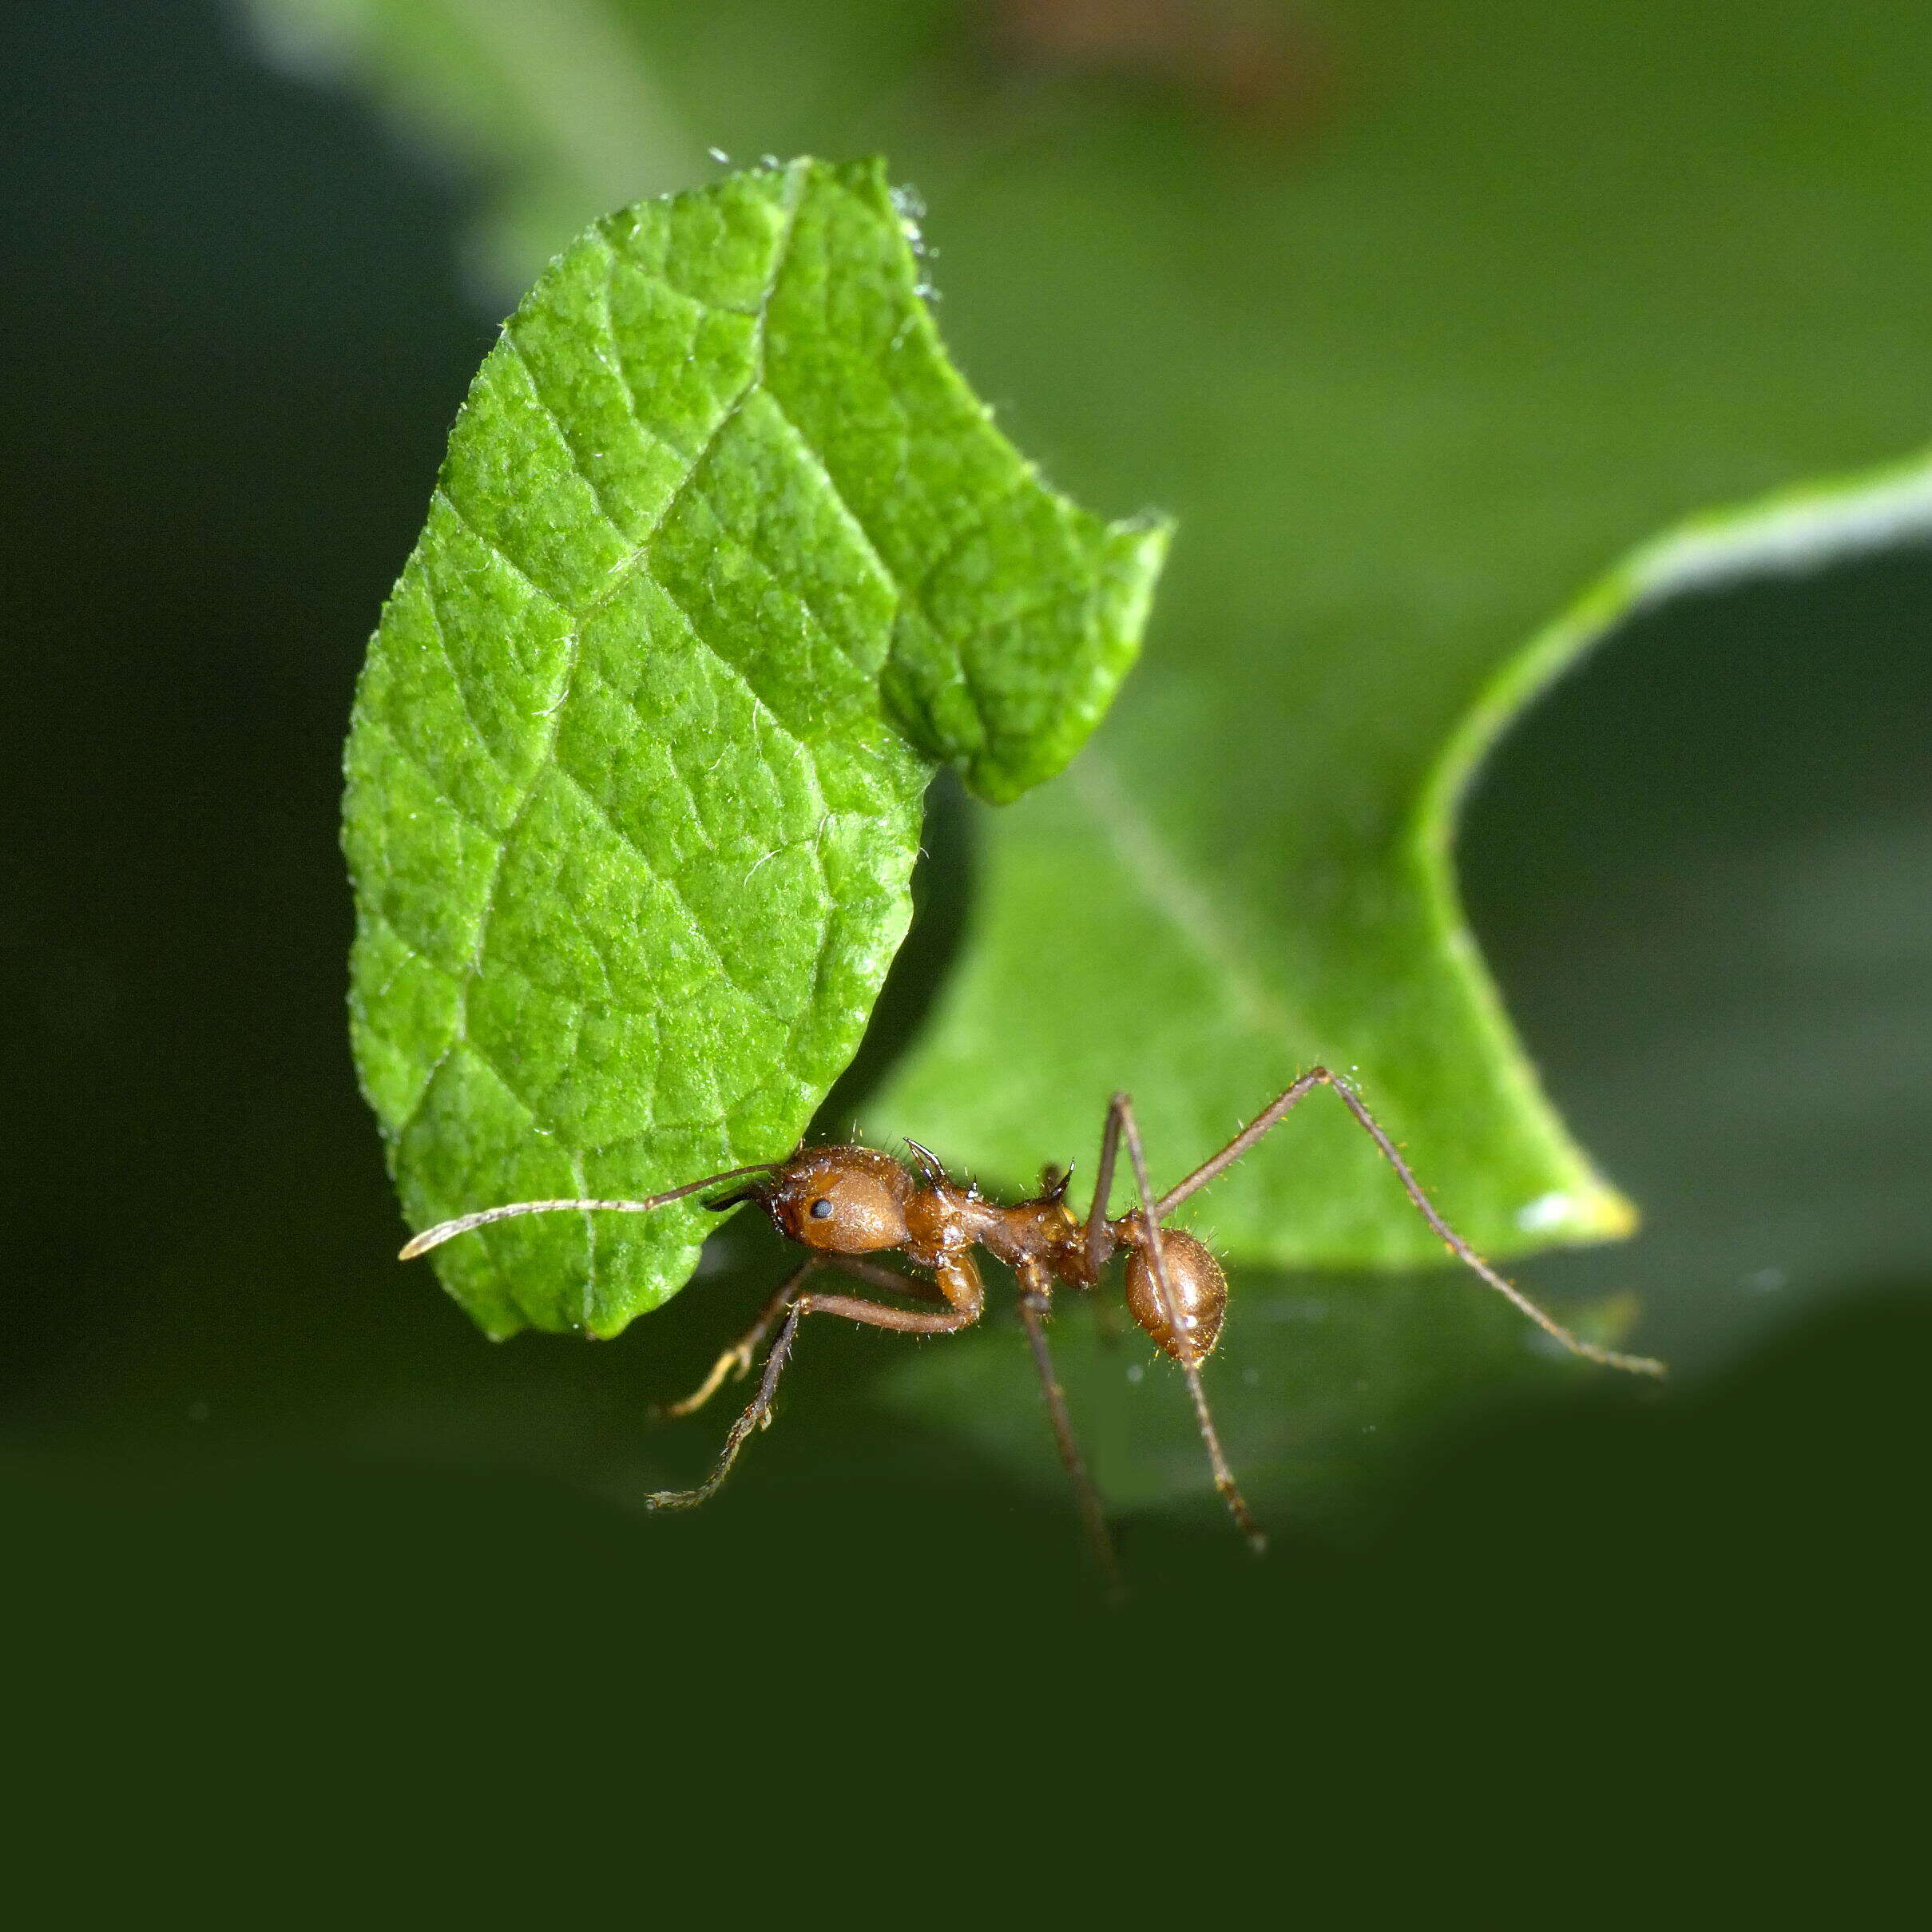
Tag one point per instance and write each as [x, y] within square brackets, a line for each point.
[724, 559]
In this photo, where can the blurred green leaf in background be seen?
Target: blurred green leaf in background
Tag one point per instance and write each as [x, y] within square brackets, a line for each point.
[1413, 346]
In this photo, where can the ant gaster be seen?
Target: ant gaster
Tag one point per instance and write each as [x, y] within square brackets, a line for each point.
[845, 1203]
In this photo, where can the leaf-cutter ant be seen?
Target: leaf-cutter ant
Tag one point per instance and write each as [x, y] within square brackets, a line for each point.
[845, 1203]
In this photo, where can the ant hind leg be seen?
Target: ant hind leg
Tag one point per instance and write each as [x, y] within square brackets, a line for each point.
[1610, 1357]
[1219, 1164]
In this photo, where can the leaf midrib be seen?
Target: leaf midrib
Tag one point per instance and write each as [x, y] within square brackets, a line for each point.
[1183, 903]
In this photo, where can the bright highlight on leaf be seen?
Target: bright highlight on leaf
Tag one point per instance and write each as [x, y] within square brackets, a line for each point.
[724, 560]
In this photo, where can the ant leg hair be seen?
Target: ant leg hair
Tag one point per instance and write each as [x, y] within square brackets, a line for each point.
[958, 1286]
[1034, 1305]
[736, 1361]
[1319, 1076]
[1121, 1111]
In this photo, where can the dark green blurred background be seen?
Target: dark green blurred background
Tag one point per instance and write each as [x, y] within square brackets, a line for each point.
[242, 1449]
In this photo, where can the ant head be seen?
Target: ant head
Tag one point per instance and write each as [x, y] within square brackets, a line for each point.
[842, 1201]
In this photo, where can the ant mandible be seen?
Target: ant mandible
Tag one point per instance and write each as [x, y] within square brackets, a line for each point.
[846, 1202]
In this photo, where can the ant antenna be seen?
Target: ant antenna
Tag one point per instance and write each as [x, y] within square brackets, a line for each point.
[447, 1231]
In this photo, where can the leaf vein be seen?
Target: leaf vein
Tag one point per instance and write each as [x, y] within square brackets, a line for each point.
[435, 602]
[670, 887]
[496, 551]
[579, 468]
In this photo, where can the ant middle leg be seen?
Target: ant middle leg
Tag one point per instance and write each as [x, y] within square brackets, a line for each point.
[1035, 1302]
[1217, 1165]
[957, 1285]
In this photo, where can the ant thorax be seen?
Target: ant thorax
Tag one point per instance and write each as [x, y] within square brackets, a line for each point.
[942, 1219]
[1043, 1231]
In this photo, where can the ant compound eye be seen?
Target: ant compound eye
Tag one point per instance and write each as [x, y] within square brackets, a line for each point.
[820, 1210]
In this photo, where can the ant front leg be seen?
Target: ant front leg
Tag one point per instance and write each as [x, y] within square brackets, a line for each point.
[735, 1362]
[955, 1281]
[1121, 1124]
[957, 1284]
[1320, 1077]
